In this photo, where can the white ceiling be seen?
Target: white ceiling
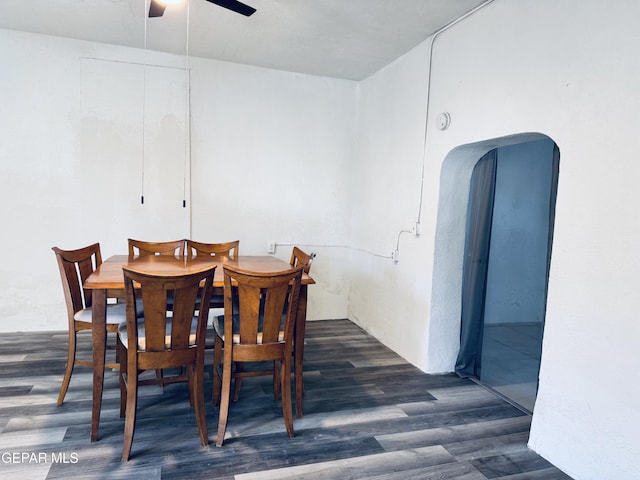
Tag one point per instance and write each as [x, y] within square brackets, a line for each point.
[348, 39]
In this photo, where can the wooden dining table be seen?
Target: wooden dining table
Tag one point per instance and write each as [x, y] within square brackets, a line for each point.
[107, 281]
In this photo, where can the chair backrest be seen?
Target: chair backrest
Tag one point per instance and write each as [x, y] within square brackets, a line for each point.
[226, 249]
[142, 248]
[75, 266]
[184, 332]
[262, 299]
[298, 257]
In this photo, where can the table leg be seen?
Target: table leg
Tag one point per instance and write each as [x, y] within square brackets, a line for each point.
[99, 335]
[301, 321]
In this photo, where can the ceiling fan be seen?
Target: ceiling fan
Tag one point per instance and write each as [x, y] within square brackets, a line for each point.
[156, 9]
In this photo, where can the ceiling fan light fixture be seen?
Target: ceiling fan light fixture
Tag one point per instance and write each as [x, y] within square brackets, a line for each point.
[157, 7]
[235, 6]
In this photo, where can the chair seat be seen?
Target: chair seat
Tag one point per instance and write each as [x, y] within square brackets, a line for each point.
[218, 327]
[124, 337]
[116, 313]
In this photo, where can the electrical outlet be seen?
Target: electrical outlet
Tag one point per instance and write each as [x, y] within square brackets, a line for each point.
[394, 256]
[416, 229]
[271, 247]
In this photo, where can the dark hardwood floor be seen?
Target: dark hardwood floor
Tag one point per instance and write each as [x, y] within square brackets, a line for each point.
[368, 415]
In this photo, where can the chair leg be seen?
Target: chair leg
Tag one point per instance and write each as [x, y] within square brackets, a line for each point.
[131, 408]
[276, 381]
[217, 361]
[122, 354]
[190, 380]
[237, 382]
[198, 402]
[299, 389]
[287, 412]
[224, 402]
[298, 348]
[71, 360]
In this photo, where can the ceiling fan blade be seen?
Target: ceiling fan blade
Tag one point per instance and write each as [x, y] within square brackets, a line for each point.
[156, 9]
[235, 6]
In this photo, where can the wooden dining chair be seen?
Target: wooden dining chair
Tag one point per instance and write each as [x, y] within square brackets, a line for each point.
[255, 334]
[222, 251]
[225, 249]
[141, 248]
[163, 339]
[75, 266]
[303, 259]
[300, 258]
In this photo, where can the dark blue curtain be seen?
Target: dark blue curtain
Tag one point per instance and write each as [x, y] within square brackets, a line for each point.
[555, 168]
[476, 255]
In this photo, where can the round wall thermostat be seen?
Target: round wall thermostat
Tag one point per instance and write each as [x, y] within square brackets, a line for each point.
[444, 119]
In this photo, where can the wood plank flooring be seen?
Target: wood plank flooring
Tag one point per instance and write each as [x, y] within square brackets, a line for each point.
[368, 415]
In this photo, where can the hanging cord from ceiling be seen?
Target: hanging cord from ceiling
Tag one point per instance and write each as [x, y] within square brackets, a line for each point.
[187, 144]
[144, 101]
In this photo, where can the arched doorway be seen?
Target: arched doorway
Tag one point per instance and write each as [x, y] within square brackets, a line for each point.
[453, 199]
[508, 239]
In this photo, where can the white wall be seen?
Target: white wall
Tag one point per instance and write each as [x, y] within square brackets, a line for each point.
[271, 151]
[566, 69]
[269, 163]
[386, 298]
